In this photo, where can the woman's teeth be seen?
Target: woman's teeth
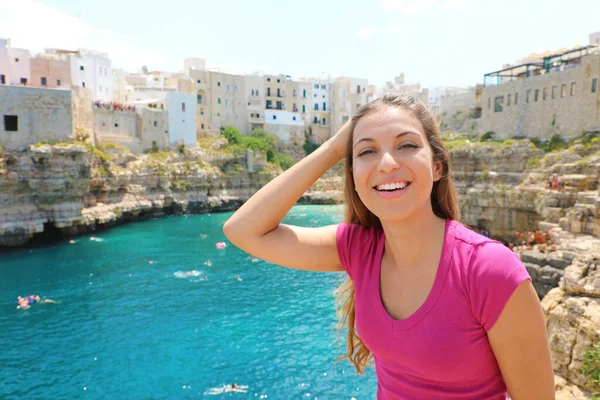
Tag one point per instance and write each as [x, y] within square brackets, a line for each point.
[392, 186]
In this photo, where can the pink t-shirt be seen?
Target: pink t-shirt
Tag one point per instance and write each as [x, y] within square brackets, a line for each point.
[442, 350]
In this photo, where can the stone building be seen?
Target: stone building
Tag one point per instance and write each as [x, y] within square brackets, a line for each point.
[289, 128]
[51, 71]
[558, 96]
[347, 96]
[31, 115]
[456, 108]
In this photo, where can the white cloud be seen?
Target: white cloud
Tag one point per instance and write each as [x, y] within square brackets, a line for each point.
[394, 30]
[425, 6]
[366, 32]
[35, 26]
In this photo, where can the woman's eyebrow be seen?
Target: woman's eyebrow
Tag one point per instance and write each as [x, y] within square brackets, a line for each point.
[368, 139]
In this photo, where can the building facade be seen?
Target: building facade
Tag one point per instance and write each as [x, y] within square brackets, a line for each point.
[15, 66]
[51, 71]
[558, 97]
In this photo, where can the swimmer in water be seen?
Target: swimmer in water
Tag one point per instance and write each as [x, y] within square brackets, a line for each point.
[204, 278]
[150, 262]
[208, 263]
[72, 241]
[238, 278]
[253, 259]
[25, 302]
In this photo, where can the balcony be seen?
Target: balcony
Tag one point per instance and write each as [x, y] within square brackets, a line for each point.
[257, 120]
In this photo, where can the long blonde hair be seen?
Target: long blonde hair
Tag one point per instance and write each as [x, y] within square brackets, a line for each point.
[444, 202]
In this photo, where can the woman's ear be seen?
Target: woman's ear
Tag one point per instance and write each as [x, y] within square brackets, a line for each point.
[438, 170]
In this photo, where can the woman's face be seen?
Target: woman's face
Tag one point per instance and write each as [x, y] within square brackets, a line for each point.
[392, 164]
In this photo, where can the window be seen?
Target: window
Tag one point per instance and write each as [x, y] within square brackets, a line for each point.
[183, 107]
[324, 106]
[554, 90]
[201, 126]
[268, 91]
[235, 88]
[252, 92]
[278, 81]
[3, 79]
[563, 90]
[82, 84]
[594, 85]
[545, 97]
[201, 111]
[573, 89]
[269, 104]
[218, 100]
[316, 86]
[274, 116]
[268, 79]
[322, 86]
[527, 95]
[498, 101]
[81, 68]
[17, 59]
[279, 105]
[345, 119]
[316, 107]
[116, 125]
[315, 120]
[324, 121]
[257, 92]
[199, 97]
[11, 123]
[516, 98]
[218, 83]
[294, 118]
[358, 89]
[226, 103]
[155, 124]
[303, 108]
[304, 93]
[199, 81]
[24, 81]
[227, 88]
[508, 99]
[43, 81]
[536, 95]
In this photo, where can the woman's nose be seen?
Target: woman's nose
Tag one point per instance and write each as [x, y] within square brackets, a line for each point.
[387, 163]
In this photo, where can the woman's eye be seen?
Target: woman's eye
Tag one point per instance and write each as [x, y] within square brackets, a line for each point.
[364, 152]
[407, 145]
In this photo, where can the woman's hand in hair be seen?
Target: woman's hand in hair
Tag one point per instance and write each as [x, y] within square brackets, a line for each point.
[339, 141]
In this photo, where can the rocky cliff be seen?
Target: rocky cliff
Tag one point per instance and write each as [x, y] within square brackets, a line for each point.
[68, 189]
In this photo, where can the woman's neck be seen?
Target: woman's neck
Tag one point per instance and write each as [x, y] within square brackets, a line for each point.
[415, 241]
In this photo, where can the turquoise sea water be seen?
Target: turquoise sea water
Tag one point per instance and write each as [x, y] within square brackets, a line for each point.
[127, 329]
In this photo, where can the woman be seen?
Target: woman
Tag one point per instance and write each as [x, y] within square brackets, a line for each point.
[443, 311]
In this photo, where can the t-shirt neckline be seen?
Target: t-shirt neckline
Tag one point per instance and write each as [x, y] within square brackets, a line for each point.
[436, 289]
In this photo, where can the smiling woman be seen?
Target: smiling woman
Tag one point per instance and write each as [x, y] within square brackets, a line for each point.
[443, 311]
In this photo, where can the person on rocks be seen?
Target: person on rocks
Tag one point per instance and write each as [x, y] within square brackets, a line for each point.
[423, 290]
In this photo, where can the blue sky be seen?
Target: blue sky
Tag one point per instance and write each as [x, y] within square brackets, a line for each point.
[434, 42]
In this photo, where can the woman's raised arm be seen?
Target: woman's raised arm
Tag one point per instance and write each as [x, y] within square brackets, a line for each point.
[256, 227]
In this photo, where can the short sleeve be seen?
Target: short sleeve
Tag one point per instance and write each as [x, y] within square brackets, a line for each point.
[343, 238]
[495, 272]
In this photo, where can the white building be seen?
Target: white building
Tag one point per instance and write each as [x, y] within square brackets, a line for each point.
[90, 69]
[595, 38]
[14, 64]
[286, 125]
[119, 86]
[181, 108]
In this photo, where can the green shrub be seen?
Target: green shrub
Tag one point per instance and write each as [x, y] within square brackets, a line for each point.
[591, 365]
[284, 161]
[486, 136]
[154, 148]
[181, 149]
